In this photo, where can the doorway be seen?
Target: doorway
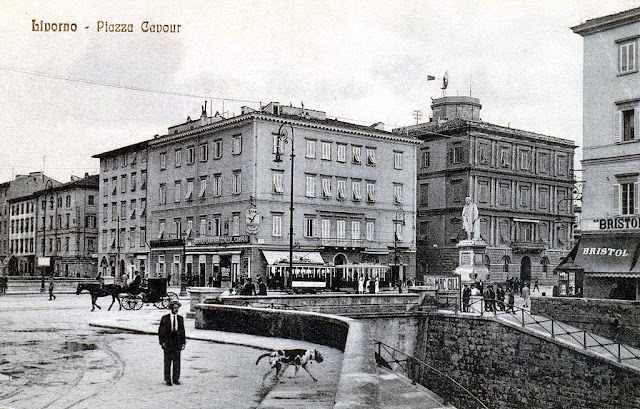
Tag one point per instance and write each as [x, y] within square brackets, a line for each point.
[525, 269]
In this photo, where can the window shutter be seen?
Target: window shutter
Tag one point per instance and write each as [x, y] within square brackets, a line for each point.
[617, 132]
[636, 198]
[636, 123]
[616, 198]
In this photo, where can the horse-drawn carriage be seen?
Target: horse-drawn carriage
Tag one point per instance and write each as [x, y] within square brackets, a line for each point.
[155, 292]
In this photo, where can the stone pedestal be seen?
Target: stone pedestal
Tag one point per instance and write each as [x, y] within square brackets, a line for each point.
[471, 266]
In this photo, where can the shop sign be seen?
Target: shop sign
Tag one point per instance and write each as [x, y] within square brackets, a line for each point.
[442, 283]
[222, 239]
[619, 223]
[252, 220]
[604, 251]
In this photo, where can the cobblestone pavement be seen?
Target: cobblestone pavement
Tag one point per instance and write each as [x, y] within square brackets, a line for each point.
[51, 358]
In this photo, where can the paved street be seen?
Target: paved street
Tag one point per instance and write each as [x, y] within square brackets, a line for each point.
[51, 358]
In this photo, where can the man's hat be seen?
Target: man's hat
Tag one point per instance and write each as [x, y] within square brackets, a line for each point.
[175, 302]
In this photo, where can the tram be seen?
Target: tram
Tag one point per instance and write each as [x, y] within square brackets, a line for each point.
[347, 275]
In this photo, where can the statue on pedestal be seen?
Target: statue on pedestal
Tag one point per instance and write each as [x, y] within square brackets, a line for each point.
[470, 220]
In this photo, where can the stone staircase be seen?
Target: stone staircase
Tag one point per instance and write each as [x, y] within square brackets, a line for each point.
[398, 391]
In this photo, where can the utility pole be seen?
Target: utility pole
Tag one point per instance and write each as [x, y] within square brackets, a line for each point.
[417, 115]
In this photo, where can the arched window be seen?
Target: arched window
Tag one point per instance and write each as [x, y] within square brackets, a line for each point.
[544, 261]
[505, 264]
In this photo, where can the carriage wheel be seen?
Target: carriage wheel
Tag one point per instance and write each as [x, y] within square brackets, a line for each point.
[162, 303]
[172, 296]
[125, 302]
[132, 302]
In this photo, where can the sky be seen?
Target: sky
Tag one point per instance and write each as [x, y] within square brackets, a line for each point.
[361, 61]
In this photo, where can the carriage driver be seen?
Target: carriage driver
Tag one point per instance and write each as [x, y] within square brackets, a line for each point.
[135, 284]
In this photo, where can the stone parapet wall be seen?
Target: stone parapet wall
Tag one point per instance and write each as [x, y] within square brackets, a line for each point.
[62, 285]
[358, 386]
[594, 315]
[507, 367]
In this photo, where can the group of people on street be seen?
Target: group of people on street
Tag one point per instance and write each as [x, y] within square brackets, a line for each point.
[494, 300]
[371, 286]
[246, 287]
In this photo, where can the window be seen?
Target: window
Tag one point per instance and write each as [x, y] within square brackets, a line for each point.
[426, 158]
[355, 230]
[505, 264]
[309, 226]
[105, 165]
[424, 194]
[326, 187]
[114, 188]
[326, 150]
[525, 232]
[397, 160]
[216, 227]
[627, 53]
[178, 157]
[371, 229]
[189, 194]
[311, 186]
[134, 182]
[191, 155]
[163, 160]
[355, 189]
[105, 190]
[203, 151]
[104, 239]
[123, 183]
[525, 160]
[484, 153]
[134, 158]
[236, 147]
[217, 149]
[276, 226]
[178, 227]
[456, 154]
[132, 237]
[162, 196]
[505, 158]
[177, 191]
[143, 156]
[505, 194]
[484, 191]
[203, 186]
[203, 226]
[124, 160]
[132, 208]
[115, 163]
[189, 226]
[342, 189]
[143, 179]
[123, 210]
[342, 153]
[114, 211]
[340, 229]
[143, 237]
[625, 126]
[397, 193]
[371, 157]
[625, 198]
[398, 231]
[371, 191]
[143, 207]
[235, 223]
[217, 185]
[357, 155]
[66, 239]
[105, 212]
[326, 228]
[311, 149]
[277, 183]
[236, 182]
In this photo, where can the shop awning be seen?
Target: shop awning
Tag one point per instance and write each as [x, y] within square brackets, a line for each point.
[611, 255]
[282, 257]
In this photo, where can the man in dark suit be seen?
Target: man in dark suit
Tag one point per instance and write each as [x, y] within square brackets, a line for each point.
[173, 340]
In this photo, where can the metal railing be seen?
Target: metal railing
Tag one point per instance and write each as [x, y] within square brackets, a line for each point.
[555, 329]
[260, 304]
[416, 368]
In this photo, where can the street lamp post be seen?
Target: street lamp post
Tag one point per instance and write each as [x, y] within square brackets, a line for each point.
[183, 278]
[399, 218]
[284, 137]
[48, 185]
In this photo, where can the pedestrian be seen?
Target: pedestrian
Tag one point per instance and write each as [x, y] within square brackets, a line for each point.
[262, 287]
[526, 294]
[535, 285]
[487, 299]
[173, 340]
[249, 288]
[511, 301]
[168, 279]
[377, 285]
[51, 287]
[361, 285]
[466, 296]
[500, 297]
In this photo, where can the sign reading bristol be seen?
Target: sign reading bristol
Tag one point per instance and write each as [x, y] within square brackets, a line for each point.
[619, 223]
[605, 251]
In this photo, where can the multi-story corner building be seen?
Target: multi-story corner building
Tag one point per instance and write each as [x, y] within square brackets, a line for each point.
[123, 246]
[607, 254]
[520, 181]
[66, 227]
[22, 185]
[22, 235]
[218, 189]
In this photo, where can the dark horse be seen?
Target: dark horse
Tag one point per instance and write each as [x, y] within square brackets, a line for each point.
[97, 290]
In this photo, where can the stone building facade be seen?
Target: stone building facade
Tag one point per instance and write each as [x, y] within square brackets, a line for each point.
[219, 199]
[22, 235]
[611, 156]
[123, 246]
[521, 182]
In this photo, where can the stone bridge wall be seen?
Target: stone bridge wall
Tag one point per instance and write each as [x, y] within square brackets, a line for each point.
[62, 285]
[358, 386]
[507, 367]
[594, 315]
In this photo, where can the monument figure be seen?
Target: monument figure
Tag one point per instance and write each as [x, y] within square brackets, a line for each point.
[470, 220]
